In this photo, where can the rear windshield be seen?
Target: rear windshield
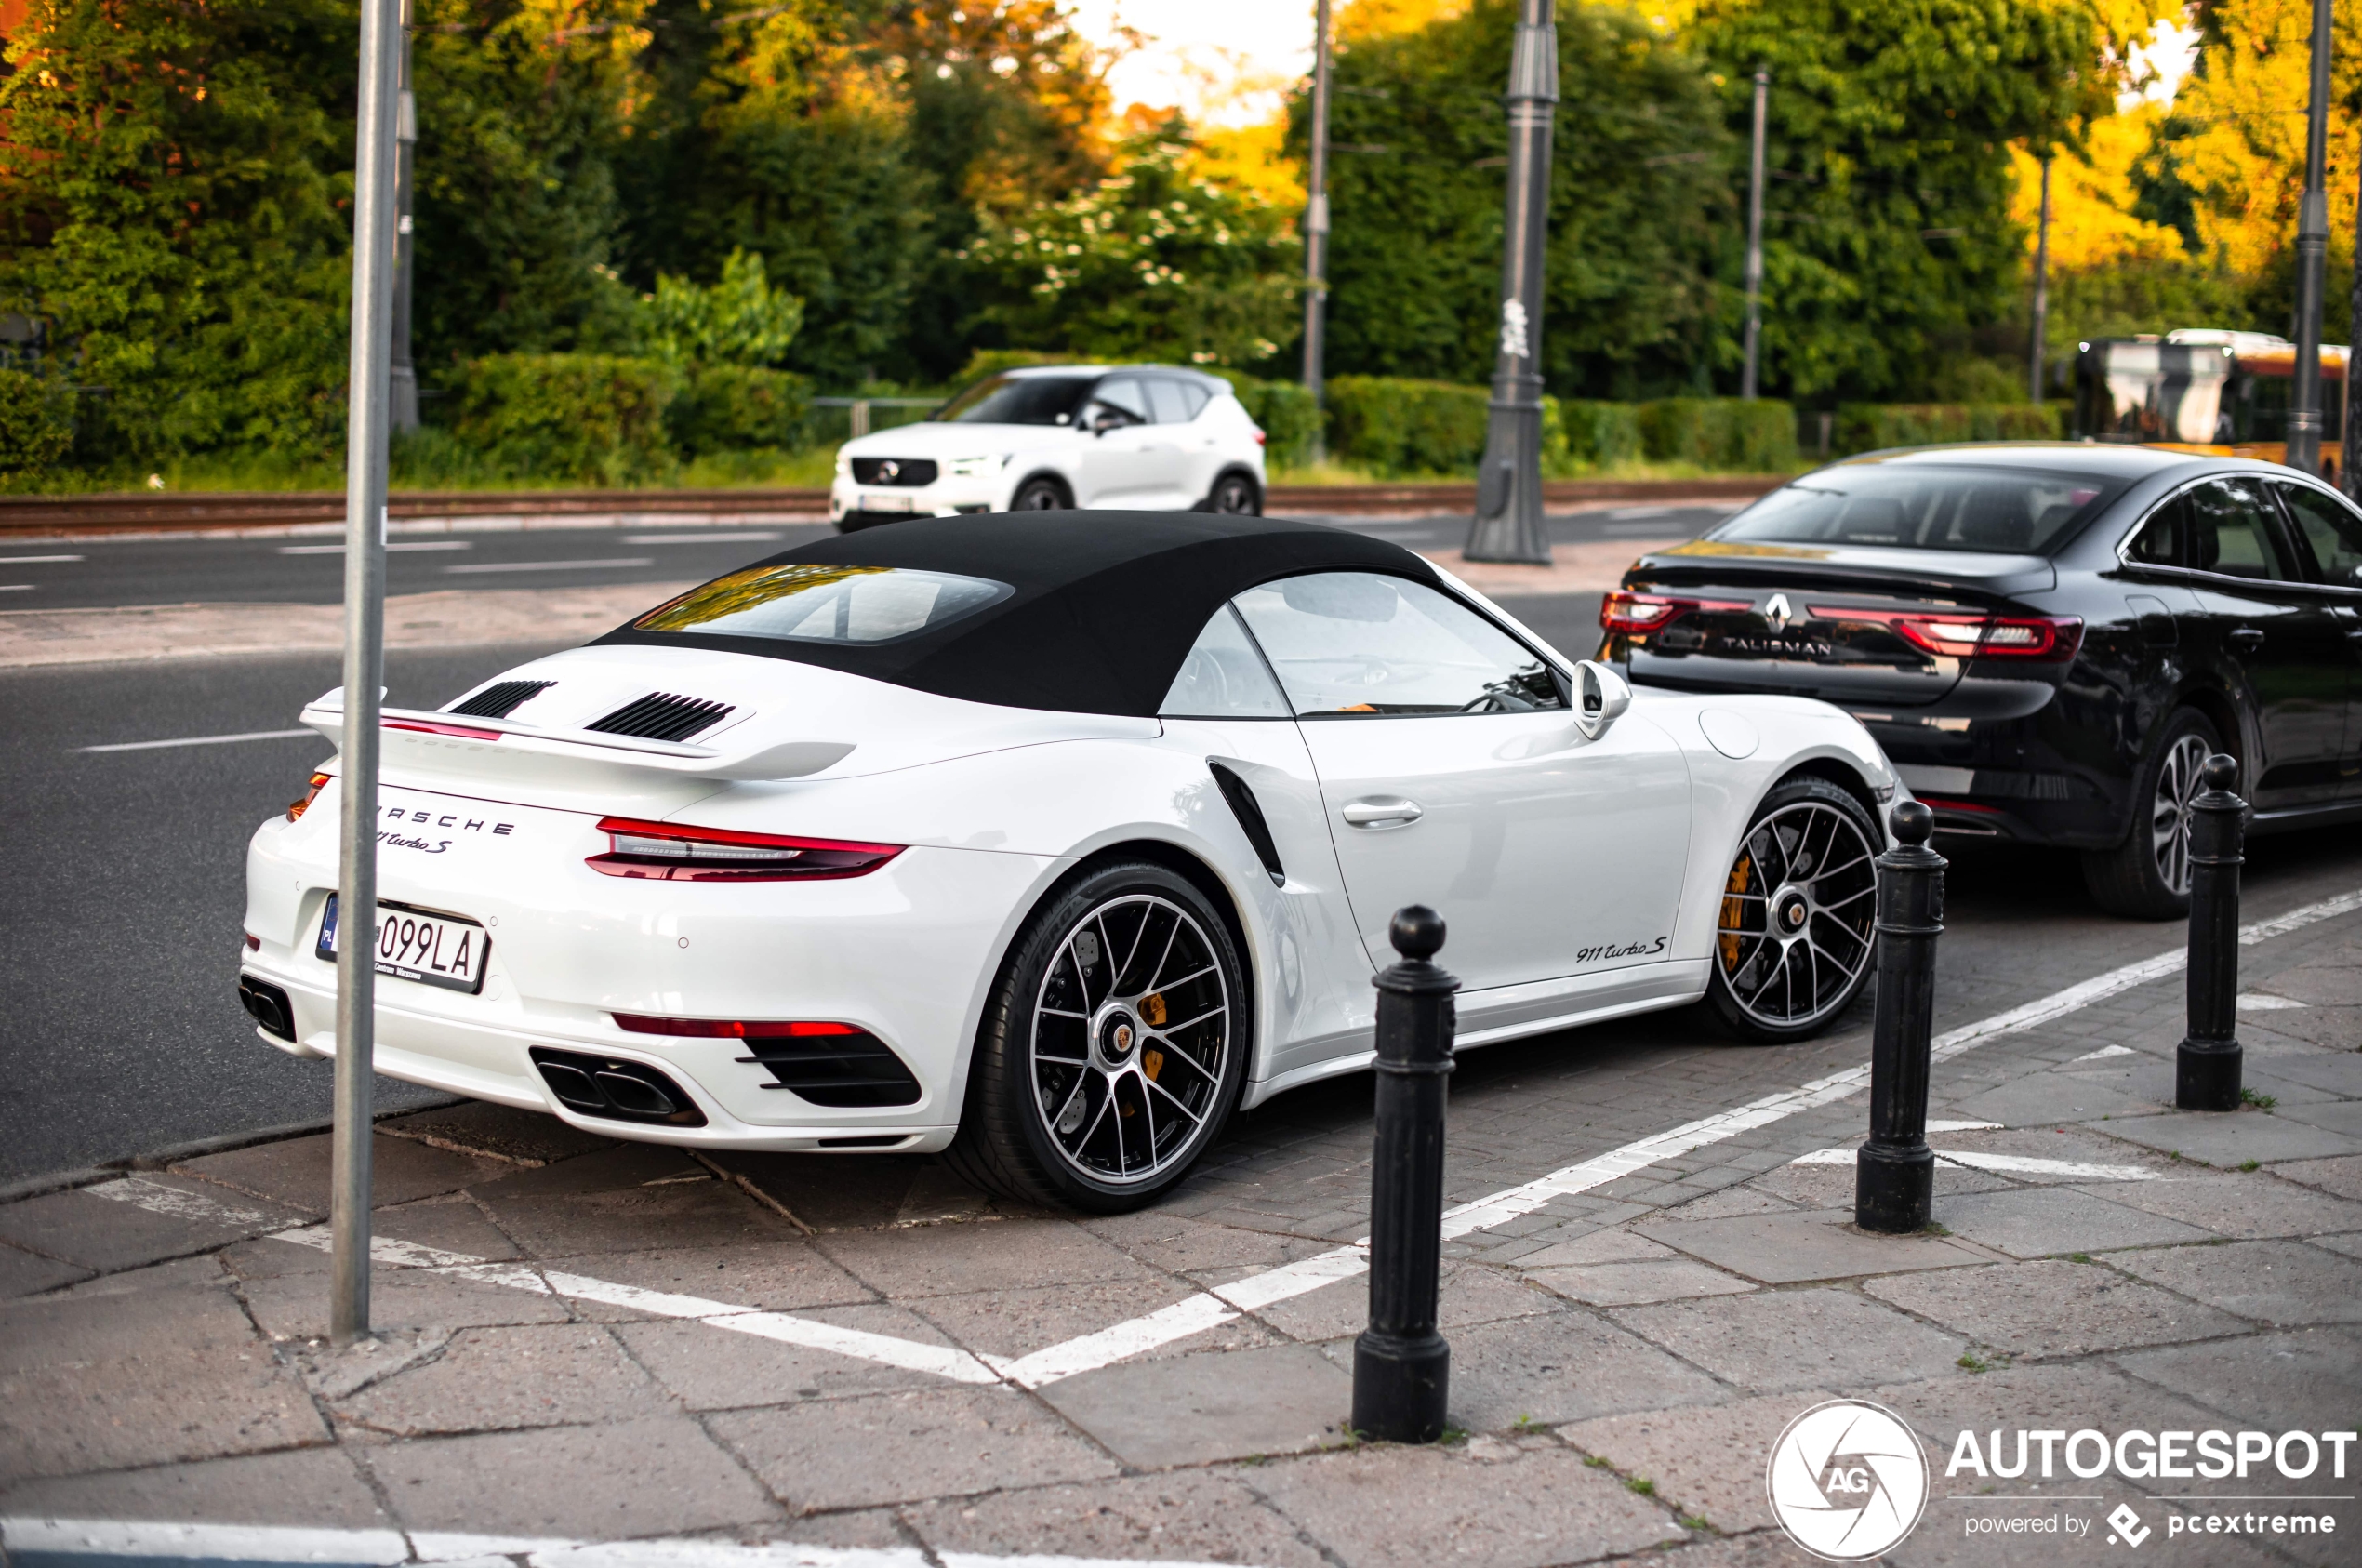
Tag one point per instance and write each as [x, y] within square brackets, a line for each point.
[1995, 511]
[815, 603]
[1018, 400]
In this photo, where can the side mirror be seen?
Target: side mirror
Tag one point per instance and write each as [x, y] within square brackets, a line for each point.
[1104, 421]
[1600, 698]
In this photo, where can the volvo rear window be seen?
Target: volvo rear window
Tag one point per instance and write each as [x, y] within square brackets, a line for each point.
[809, 602]
[1018, 400]
[1992, 511]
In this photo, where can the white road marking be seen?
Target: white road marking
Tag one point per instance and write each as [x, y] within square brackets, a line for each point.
[16, 588]
[2014, 1165]
[2104, 1053]
[393, 548]
[199, 741]
[2265, 1001]
[33, 560]
[482, 566]
[755, 535]
[1207, 1309]
[385, 1548]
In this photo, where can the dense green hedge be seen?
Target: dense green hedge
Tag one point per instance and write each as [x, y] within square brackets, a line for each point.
[1868, 427]
[736, 408]
[1289, 418]
[1720, 433]
[598, 418]
[1600, 435]
[1395, 426]
[37, 422]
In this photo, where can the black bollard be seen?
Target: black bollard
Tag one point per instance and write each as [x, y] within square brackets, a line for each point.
[1402, 1367]
[1894, 1173]
[2206, 1068]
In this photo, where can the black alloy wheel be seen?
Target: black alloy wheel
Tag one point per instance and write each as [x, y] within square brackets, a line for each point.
[1113, 1048]
[1237, 495]
[2147, 876]
[1798, 914]
[1039, 495]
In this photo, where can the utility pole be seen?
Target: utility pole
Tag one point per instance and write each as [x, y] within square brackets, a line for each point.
[2350, 462]
[2312, 261]
[364, 587]
[1748, 381]
[1509, 510]
[1316, 238]
[401, 405]
[2037, 348]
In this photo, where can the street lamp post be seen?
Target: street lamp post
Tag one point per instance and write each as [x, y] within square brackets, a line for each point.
[1749, 372]
[402, 400]
[2038, 346]
[364, 583]
[1316, 238]
[2312, 261]
[1509, 510]
[2350, 461]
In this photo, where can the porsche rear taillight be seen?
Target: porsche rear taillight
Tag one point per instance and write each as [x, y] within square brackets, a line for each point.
[732, 1028]
[2043, 639]
[1630, 614]
[673, 852]
[311, 792]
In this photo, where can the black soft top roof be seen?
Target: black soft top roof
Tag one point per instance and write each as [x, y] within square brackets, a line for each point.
[1107, 603]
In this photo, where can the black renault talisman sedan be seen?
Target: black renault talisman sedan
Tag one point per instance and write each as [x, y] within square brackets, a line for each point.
[2048, 638]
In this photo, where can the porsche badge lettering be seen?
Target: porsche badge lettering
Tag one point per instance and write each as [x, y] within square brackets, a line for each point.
[392, 837]
[1642, 949]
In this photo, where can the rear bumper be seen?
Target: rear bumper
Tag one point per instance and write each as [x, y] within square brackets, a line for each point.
[904, 954]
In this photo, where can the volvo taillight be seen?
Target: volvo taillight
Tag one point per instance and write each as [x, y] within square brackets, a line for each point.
[674, 852]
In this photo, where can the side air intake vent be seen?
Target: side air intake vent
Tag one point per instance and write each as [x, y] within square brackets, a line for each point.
[1249, 811]
[626, 1091]
[854, 1067]
[500, 698]
[661, 715]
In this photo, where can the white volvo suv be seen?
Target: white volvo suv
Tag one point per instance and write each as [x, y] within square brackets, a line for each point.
[1054, 437]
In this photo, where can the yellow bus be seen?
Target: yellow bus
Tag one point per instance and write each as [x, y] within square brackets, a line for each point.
[2216, 392]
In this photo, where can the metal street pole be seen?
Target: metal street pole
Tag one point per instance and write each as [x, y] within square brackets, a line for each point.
[2037, 348]
[364, 582]
[2312, 261]
[1508, 508]
[1748, 381]
[2350, 462]
[402, 407]
[1315, 237]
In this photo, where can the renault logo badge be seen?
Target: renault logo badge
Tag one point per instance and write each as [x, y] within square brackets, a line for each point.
[1776, 612]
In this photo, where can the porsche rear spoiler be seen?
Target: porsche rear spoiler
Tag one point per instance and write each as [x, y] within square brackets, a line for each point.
[410, 730]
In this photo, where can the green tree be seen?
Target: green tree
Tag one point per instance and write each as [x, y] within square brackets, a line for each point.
[168, 206]
[1889, 241]
[739, 319]
[1149, 262]
[1415, 198]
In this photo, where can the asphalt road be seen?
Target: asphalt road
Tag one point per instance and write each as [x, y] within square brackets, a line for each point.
[309, 569]
[124, 869]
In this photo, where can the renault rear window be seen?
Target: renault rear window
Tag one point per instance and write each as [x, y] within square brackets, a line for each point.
[1992, 511]
[809, 602]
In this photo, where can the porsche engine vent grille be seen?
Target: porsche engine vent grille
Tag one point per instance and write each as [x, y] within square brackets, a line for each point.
[854, 1069]
[661, 715]
[500, 698]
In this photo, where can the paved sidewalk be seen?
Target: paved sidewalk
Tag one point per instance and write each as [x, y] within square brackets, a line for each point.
[596, 1342]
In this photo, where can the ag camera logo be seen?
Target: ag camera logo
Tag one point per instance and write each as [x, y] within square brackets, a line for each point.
[1846, 1480]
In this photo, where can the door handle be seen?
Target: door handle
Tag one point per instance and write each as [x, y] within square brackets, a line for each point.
[1383, 813]
[2248, 637]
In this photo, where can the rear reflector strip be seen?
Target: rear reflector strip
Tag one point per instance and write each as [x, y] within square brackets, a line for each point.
[429, 726]
[827, 1063]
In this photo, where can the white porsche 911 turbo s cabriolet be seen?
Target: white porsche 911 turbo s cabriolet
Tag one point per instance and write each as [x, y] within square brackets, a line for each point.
[1047, 844]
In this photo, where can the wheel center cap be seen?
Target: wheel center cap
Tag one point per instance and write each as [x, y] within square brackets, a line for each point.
[1117, 1037]
[1793, 912]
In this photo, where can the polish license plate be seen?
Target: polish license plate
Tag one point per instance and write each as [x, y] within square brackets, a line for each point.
[428, 946]
[886, 503]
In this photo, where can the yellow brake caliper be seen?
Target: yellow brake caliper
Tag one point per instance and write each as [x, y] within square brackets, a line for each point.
[1734, 912]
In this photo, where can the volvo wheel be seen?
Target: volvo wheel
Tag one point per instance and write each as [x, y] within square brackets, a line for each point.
[1236, 494]
[1113, 1047]
[1798, 911]
[1041, 494]
[2147, 876]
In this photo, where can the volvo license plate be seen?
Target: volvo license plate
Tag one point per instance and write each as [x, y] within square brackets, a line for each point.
[430, 946]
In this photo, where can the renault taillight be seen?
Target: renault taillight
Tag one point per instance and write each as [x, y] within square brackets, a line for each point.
[1630, 614]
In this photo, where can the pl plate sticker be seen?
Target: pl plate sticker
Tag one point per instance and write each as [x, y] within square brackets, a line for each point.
[1846, 1480]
